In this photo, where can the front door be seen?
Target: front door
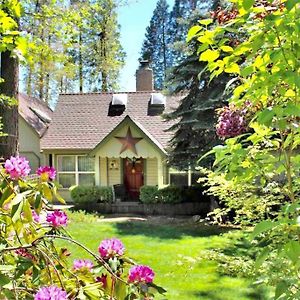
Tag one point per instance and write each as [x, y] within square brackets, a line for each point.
[133, 177]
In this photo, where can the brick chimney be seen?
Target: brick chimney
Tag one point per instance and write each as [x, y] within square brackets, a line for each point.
[144, 77]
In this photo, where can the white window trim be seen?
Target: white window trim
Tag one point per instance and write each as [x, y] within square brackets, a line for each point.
[76, 171]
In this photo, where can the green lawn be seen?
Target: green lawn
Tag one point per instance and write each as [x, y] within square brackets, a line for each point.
[172, 251]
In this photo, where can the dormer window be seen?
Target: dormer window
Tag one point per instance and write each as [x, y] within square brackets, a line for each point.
[158, 99]
[119, 99]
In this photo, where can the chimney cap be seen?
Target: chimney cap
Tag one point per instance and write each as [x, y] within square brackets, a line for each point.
[144, 63]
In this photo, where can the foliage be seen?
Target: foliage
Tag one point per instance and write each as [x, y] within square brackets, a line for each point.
[265, 63]
[85, 195]
[32, 264]
[170, 194]
[74, 46]
[164, 45]
[155, 46]
[149, 194]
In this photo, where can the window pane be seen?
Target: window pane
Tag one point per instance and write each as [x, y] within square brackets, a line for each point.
[86, 164]
[67, 180]
[87, 179]
[66, 163]
[180, 179]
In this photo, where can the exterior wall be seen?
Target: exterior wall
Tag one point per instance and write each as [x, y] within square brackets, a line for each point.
[114, 175]
[151, 171]
[29, 145]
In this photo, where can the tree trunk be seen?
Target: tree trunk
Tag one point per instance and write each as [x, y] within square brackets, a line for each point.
[9, 114]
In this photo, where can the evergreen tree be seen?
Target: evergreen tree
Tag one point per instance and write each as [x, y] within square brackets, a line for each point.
[183, 14]
[155, 47]
[193, 131]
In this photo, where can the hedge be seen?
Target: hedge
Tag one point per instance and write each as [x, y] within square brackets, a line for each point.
[85, 195]
[173, 194]
[149, 194]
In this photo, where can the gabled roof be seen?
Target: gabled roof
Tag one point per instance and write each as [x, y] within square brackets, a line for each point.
[139, 126]
[82, 121]
[35, 112]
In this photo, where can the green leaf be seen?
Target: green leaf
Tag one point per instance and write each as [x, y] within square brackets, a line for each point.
[206, 22]
[265, 117]
[209, 55]
[192, 32]
[263, 227]
[226, 48]
[291, 3]
[4, 280]
[281, 288]
[292, 250]
[232, 68]
[247, 4]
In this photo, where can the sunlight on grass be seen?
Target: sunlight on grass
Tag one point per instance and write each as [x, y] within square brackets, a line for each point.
[172, 251]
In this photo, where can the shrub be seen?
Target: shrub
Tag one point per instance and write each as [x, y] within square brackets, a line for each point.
[170, 194]
[195, 193]
[149, 194]
[82, 195]
[30, 231]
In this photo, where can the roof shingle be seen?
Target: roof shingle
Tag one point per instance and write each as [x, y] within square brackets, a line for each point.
[35, 112]
[82, 121]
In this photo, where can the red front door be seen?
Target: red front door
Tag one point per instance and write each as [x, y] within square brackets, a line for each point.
[133, 176]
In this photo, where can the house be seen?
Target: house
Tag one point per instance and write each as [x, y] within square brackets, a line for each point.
[109, 139]
[34, 119]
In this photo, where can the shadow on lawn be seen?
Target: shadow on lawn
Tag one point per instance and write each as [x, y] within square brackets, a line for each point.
[218, 294]
[163, 231]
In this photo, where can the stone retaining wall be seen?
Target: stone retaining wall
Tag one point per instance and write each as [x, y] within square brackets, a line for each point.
[186, 209]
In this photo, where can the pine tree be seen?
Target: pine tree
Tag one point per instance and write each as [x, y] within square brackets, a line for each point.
[183, 14]
[193, 131]
[155, 47]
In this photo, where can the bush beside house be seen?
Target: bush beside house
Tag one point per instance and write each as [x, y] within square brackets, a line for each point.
[172, 194]
[87, 197]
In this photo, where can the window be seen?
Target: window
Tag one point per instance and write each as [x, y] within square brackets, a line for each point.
[179, 178]
[75, 170]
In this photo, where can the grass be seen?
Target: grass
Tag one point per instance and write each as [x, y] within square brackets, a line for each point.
[172, 250]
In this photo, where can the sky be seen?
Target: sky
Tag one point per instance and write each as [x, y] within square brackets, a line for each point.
[134, 19]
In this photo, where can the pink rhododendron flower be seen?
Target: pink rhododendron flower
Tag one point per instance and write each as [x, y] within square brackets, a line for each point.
[57, 218]
[82, 264]
[24, 253]
[17, 167]
[110, 248]
[51, 293]
[231, 122]
[46, 173]
[141, 274]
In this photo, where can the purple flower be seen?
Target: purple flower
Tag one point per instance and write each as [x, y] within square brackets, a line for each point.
[110, 248]
[82, 264]
[50, 293]
[231, 122]
[141, 274]
[57, 218]
[46, 173]
[17, 167]
[24, 253]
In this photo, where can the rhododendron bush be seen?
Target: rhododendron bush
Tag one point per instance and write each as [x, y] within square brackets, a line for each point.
[34, 267]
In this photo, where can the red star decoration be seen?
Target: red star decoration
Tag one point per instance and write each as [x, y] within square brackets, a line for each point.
[128, 142]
